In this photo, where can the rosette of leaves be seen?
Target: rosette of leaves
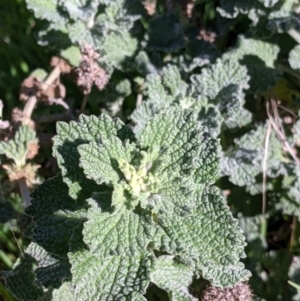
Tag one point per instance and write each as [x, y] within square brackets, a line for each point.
[128, 211]
[169, 90]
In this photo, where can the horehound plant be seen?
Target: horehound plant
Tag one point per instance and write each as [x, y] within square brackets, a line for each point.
[130, 210]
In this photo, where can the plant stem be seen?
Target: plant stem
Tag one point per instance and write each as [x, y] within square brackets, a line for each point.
[264, 169]
[24, 192]
[51, 78]
[27, 111]
[294, 34]
[293, 227]
[29, 106]
[32, 100]
[288, 70]
[84, 102]
[139, 99]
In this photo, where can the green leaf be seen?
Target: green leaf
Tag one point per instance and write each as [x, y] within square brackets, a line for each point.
[259, 59]
[144, 64]
[113, 96]
[78, 9]
[199, 53]
[222, 74]
[230, 102]
[52, 270]
[169, 90]
[56, 215]
[190, 152]
[46, 9]
[65, 292]
[217, 259]
[70, 136]
[284, 17]
[289, 202]
[118, 233]
[20, 280]
[254, 9]
[149, 195]
[100, 161]
[119, 49]
[72, 54]
[244, 162]
[79, 33]
[17, 148]
[110, 278]
[174, 277]
[166, 34]
[223, 83]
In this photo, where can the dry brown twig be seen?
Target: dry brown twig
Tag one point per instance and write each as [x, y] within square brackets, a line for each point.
[264, 168]
[43, 90]
[275, 122]
[273, 115]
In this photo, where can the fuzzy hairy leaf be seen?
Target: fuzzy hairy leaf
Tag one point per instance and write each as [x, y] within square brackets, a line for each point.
[113, 96]
[166, 34]
[174, 277]
[70, 136]
[217, 258]
[253, 8]
[145, 65]
[244, 162]
[230, 102]
[79, 10]
[195, 154]
[118, 233]
[223, 82]
[56, 215]
[119, 49]
[169, 90]
[17, 148]
[20, 280]
[52, 270]
[199, 53]
[284, 17]
[126, 278]
[219, 76]
[46, 9]
[65, 292]
[289, 202]
[259, 58]
[149, 193]
[72, 54]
